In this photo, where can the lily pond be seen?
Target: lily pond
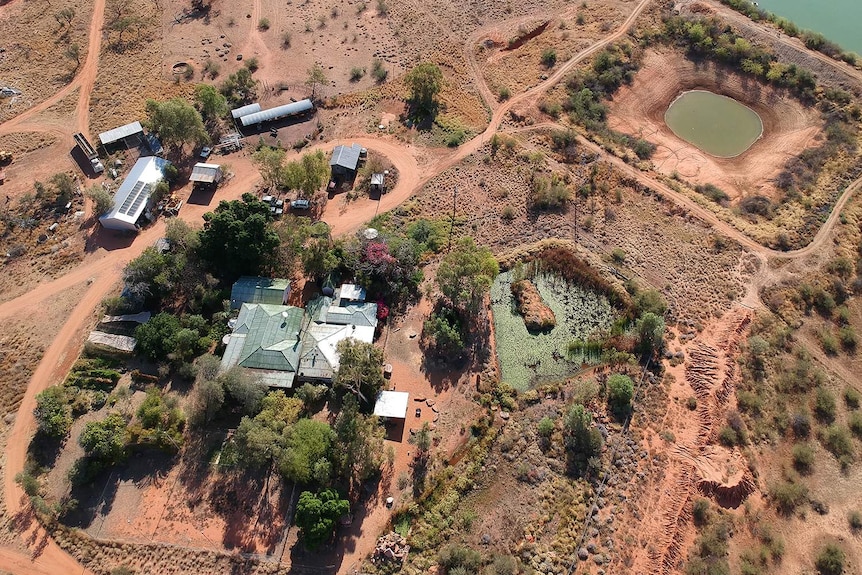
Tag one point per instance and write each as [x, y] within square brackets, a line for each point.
[529, 358]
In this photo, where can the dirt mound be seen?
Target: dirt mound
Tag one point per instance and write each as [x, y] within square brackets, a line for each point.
[723, 475]
[537, 315]
[788, 126]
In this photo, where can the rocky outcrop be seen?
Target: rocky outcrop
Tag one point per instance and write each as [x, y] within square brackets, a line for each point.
[537, 315]
[391, 548]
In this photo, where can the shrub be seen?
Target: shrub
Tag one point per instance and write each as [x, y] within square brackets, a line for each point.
[830, 561]
[854, 518]
[727, 436]
[549, 58]
[824, 405]
[700, 511]
[549, 193]
[691, 403]
[854, 422]
[848, 338]
[788, 496]
[800, 423]
[712, 192]
[453, 556]
[504, 93]
[356, 73]
[253, 64]
[803, 457]
[263, 24]
[643, 149]
[285, 40]
[839, 443]
[852, 397]
[546, 427]
[52, 412]
[378, 71]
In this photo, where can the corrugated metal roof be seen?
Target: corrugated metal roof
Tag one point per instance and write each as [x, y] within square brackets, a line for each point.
[278, 112]
[118, 134]
[346, 156]
[376, 179]
[391, 404]
[245, 110]
[207, 173]
[319, 358]
[131, 198]
[265, 337]
[252, 289]
[121, 342]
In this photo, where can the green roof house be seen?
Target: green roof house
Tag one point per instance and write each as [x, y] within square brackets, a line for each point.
[250, 289]
[265, 339]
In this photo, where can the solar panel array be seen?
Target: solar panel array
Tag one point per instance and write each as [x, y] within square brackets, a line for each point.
[136, 197]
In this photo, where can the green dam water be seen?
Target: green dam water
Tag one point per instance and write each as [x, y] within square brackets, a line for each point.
[838, 20]
[718, 125]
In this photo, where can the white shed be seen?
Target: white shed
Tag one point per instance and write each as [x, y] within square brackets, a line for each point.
[391, 405]
[206, 173]
[131, 199]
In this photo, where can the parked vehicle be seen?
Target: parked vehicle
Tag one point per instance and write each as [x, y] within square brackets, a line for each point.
[89, 152]
[205, 152]
[300, 204]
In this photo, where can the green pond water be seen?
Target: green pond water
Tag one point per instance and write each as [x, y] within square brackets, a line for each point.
[838, 20]
[718, 125]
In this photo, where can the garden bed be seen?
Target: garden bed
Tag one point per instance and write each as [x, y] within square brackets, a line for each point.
[528, 358]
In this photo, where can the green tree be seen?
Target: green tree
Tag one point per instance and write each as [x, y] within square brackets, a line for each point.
[650, 331]
[318, 258]
[583, 440]
[620, 393]
[316, 515]
[360, 368]
[257, 444]
[444, 331]
[308, 443]
[101, 198]
[244, 389]
[156, 338]
[176, 122]
[240, 88]
[210, 102]
[269, 163]
[465, 274]
[315, 171]
[650, 301]
[316, 77]
[52, 412]
[425, 82]
[207, 400]
[105, 440]
[360, 443]
[239, 238]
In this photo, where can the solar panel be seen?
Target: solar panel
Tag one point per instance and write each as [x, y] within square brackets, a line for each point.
[136, 197]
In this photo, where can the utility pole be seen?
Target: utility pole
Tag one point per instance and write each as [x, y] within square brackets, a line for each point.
[452, 221]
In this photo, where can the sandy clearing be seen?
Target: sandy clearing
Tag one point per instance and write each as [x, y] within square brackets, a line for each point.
[788, 126]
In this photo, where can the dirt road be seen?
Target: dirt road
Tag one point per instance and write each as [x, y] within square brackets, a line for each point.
[103, 269]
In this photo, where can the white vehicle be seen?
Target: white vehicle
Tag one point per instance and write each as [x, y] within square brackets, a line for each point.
[90, 152]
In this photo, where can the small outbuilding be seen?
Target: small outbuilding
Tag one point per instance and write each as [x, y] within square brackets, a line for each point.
[391, 405]
[345, 160]
[253, 289]
[131, 199]
[377, 183]
[129, 135]
[206, 173]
